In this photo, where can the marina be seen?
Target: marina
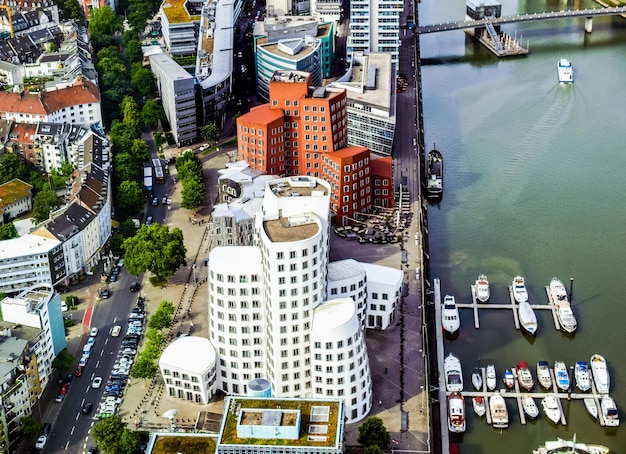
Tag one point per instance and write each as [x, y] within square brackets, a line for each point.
[451, 380]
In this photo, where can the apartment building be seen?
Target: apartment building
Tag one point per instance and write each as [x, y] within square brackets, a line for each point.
[375, 27]
[16, 197]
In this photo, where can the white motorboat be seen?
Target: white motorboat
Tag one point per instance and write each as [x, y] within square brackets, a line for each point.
[582, 376]
[600, 373]
[527, 317]
[490, 377]
[450, 315]
[551, 408]
[453, 373]
[508, 379]
[478, 403]
[524, 377]
[482, 289]
[543, 374]
[561, 376]
[561, 446]
[530, 407]
[591, 406]
[609, 411]
[498, 411]
[565, 71]
[477, 379]
[456, 412]
[564, 313]
[519, 289]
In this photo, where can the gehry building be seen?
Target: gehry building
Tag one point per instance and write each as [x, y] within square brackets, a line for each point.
[268, 312]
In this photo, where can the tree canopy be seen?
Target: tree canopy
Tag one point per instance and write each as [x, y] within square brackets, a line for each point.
[130, 197]
[31, 428]
[151, 113]
[12, 166]
[193, 192]
[156, 249]
[43, 203]
[210, 132]
[373, 433]
[8, 231]
[113, 437]
[63, 361]
[162, 318]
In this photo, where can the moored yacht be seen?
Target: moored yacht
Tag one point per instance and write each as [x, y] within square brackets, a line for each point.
[543, 374]
[456, 412]
[482, 289]
[498, 411]
[561, 376]
[490, 377]
[564, 313]
[600, 373]
[453, 373]
[582, 376]
[551, 408]
[520, 294]
[561, 446]
[527, 317]
[434, 169]
[450, 315]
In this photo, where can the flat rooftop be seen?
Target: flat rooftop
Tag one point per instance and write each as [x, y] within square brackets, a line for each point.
[281, 231]
[321, 421]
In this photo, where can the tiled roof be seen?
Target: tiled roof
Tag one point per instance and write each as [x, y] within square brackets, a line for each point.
[82, 92]
[23, 132]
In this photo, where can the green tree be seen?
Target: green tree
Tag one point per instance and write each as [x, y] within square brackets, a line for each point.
[128, 36]
[156, 249]
[126, 168]
[162, 318]
[130, 112]
[38, 180]
[133, 51]
[127, 228]
[193, 192]
[140, 151]
[156, 339]
[210, 132]
[104, 21]
[373, 433]
[188, 164]
[152, 113]
[144, 367]
[115, 243]
[12, 166]
[130, 197]
[43, 203]
[71, 9]
[108, 433]
[142, 80]
[129, 442]
[123, 135]
[63, 361]
[31, 428]
[373, 450]
[8, 231]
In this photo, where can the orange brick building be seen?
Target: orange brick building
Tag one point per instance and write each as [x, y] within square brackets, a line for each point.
[303, 131]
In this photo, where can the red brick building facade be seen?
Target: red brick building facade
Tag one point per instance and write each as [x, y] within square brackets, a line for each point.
[303, 131]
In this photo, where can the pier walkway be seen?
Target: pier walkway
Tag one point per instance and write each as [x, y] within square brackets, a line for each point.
[461, 25]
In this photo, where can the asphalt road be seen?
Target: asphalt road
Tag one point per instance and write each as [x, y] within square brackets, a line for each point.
[71, 429]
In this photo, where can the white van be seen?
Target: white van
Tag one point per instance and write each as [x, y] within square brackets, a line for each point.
[87, 350]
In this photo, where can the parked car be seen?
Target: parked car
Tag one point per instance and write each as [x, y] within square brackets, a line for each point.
[83, 361]
[93, 332]
[64, 388]
[45, 430]
[79, 371]
[113, 278]
[60, 398]
[155, 201]
[41, 442]
[91, 341]
[68, 379]
[106, 293]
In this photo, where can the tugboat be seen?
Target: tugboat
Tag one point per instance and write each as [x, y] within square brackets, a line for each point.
[434, 174]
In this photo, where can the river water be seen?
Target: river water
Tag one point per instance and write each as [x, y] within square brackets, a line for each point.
[534, 185]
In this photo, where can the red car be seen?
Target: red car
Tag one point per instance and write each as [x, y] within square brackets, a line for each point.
[79, 371]
[64, 388]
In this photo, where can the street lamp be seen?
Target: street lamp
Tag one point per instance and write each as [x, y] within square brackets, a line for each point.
[195, 282]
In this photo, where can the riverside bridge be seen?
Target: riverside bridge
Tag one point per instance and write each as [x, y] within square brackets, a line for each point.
[495, 21]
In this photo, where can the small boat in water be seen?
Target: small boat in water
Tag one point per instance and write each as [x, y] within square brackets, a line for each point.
[434, 177]
[519, 289]
[450, 315]
[551, 408]
[570, 447]
[482, 288]
[543, 374]
[561, 376]
[490, 377]
[498, 411]
[527, 317]
[564, 313]
[456, 412]
[478, 403]
[524, 377]
[565, 71]
[530, 407]
[582, 376]
[609, 411]
[508, 379]
[453, 373]
[477, 379]
[600, 373]
[591, 406]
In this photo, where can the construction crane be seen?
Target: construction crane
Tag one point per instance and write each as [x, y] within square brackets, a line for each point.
[9, 18]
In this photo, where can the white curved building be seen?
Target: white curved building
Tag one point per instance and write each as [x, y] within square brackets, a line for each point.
[347, 279]
[236, 315]
[188, 366]
[339, 357]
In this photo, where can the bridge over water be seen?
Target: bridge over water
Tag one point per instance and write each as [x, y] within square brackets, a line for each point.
[495, 21]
